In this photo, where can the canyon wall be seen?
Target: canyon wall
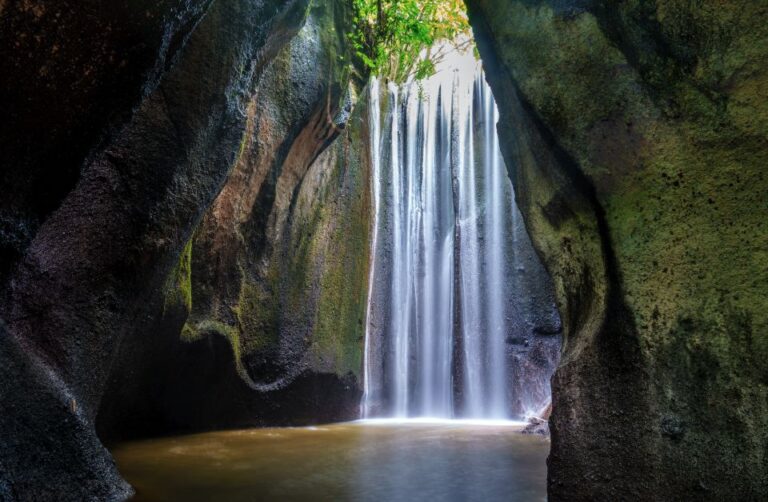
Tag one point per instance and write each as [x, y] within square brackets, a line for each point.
[126, 121]
[636, 134]
[280, 261]
[185, 237]
[261, 321]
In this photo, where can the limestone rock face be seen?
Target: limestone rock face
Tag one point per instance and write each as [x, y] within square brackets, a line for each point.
[85, 272]
[636, 134]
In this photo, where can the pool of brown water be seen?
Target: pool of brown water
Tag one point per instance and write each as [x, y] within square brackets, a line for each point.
[340, 462]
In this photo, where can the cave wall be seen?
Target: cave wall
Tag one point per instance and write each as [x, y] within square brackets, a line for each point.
[279, 264]
[260, 322]
[71, 74]
[635, 133]
[83, 266]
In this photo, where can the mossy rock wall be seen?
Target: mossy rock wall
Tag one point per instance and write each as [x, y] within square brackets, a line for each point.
[236, 338]
[637, 137]
[146, 120]
[329, 236]
[279, 263]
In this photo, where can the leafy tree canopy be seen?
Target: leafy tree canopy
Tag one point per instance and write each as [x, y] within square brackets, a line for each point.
[395, 38]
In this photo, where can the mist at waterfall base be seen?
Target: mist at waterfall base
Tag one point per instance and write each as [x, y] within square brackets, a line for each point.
[460, 312]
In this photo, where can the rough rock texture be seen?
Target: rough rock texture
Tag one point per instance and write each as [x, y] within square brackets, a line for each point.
[536, 426]
[279, 264]
[94, 265]
[48, 450]
[71, 73]
[534, 328]
[276, 270]
[636, 134]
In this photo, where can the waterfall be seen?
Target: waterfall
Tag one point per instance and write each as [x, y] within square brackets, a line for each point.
[438, 304]
[375, 143]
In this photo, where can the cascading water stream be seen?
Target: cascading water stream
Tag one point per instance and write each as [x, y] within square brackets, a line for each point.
[443, 240]
[374, 120]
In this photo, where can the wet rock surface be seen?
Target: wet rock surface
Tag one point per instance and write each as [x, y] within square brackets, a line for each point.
[536, 426]
[635, 136]
[49, 449]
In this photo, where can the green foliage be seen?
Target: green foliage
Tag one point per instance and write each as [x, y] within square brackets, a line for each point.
[390, 36]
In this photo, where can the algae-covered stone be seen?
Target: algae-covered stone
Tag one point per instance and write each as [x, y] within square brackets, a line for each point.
[253, 299]
[280, 260]
[637, 136]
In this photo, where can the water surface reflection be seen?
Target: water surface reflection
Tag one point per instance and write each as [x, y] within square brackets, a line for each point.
[354, 461]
